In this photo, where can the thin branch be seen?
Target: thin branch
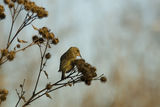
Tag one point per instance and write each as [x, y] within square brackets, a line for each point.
[63, 85]
[31, 44]
[20, 28]
[21, 94]
[3, 61]
[28, 20]
[41, 66]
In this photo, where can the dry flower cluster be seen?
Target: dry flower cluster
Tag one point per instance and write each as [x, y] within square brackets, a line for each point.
[2, 15]
[87, 72]
[44, 39]
[3, 95]
[28, 6]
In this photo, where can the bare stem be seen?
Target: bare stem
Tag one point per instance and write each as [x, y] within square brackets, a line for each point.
[41, 65]
[21, 94]
[31, 44]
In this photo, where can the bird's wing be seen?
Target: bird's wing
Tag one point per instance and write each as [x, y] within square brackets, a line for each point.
[65, 61]
[63, 57]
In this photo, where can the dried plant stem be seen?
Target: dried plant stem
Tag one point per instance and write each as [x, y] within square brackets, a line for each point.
[31, 44]
[41, 65]
[21, 94]
[3, 61]
[38, 94]
[28, 20]
[14, 17]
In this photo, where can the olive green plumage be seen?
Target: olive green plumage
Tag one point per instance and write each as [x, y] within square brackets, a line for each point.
[66, 60]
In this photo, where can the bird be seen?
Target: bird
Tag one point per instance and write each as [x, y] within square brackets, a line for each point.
[66, 60]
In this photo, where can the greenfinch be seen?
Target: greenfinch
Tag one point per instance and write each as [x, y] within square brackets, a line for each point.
[66, 60]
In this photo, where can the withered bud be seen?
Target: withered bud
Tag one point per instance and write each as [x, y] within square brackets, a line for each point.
[41, 40]
[94, 74]
[93, 69]
[18, 45]
[3, 91]
[48, 86]
[88, 82]
[55, 41]
[1, 9]
[20, 1]
[11, 5]
[6, 1]
[35, 38]
[48, 56]
[79, 62]
[41, 12]
[103, 79]
[51, 35]
[43, 30]
[21, 85]
[4, 52]
[11, 55]
[3, 97]
[2, 15]
[29, 5]
[14, 0]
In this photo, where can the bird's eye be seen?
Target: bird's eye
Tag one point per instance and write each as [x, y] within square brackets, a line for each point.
[78, 51]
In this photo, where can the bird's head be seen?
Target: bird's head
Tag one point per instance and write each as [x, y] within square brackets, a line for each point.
[75, 51]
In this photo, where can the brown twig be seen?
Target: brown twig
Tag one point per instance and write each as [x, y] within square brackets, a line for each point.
[21, 94]
[41, 65]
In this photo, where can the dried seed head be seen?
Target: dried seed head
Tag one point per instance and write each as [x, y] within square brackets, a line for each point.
[55, 41]
[40, 40]
[43, 31]
[11, 55]
[21, 85]
[28, 5]
[4, 52]
[3, 98]
[34, 9]
[2, 15]
[48, 56]
[18, 45]
[79, 63]
[3, 95]
[3, 91]
[48, 86]
[6, 1]
[103, 79]
[88, 71]
[11, 5]
[41, 12]
[35, 38]
[50, 36]
[20, 1]
[88, 82]
[1, 9]
[14, 0]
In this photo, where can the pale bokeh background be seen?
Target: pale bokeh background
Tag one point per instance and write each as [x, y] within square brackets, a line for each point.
[121, 38]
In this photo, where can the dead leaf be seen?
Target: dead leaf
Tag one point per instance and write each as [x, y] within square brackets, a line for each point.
[46, 74]
[35, 28]
[21, 41]
[49, 96]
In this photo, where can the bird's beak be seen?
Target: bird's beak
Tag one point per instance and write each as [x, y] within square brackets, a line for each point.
[80, 55]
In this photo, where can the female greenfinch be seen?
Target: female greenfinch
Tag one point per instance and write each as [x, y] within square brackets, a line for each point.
[66, 60]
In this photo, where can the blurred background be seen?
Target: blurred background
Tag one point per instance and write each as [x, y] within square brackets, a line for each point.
[121, 38]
